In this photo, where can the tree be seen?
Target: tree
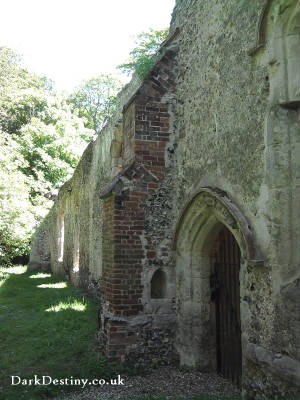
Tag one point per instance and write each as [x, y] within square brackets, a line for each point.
[54, 139]
[15, 108]
[95, 100]
[13, 76]
[18, 215]
[144, 56]
[41, 142]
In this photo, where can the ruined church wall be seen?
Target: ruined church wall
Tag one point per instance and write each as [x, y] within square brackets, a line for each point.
[78, 211]
[113, 247]
[236, 133]
[218, 120]
[137, 315]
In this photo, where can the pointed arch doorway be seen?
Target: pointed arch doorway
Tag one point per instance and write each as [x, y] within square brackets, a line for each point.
[225, 304]
[212, 237]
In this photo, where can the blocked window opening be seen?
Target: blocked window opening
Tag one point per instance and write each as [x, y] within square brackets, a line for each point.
[279, 33]
[158, 285]
[60, 239]
[76, 253]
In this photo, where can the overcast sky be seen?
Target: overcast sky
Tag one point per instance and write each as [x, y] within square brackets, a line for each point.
[72, 40]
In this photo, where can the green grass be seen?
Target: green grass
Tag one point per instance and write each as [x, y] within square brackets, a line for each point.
[204, 397]
[46, 328]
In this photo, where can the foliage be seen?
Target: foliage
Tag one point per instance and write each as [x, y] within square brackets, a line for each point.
[95, 100]
[144, 56]
[42, 316]
[13, 76]
[43, 134]
[17, 214]
[41, 141]
[52, 144]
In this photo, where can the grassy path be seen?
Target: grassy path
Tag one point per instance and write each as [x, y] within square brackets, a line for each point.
[46, 328]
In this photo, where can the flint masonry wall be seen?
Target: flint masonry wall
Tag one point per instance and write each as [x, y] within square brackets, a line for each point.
[210, 139]
[137, 316]
[237, 131]
[110, 225]
[76, 221]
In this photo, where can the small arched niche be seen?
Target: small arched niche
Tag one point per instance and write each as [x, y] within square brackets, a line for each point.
[159, 285]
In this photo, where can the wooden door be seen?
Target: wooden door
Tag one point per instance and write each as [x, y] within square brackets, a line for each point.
[226, 295]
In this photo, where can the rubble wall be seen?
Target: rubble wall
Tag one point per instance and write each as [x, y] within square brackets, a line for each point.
[209, 139]
[237, 120]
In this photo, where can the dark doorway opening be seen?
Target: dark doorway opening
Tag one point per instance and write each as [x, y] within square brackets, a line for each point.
[225, 295]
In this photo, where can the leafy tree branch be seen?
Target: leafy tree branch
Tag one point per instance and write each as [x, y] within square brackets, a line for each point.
[144, 56]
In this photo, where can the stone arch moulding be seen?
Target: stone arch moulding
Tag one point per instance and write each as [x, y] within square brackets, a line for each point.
[282, 6]
[261, 29]
[213, 203]
[277, 48]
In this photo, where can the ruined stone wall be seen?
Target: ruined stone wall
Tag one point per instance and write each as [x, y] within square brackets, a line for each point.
[77, 216]
[40, 249]
[209, 140]
[237, 131]
[137, 320]
[110, 225]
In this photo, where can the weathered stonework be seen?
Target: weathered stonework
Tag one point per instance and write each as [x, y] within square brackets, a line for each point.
[40, 250]
[208, 142]
[132, 253]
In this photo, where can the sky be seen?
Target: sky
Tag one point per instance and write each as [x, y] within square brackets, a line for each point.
[72, 40]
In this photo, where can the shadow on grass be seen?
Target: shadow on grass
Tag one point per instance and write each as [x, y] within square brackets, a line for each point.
[47, 329]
